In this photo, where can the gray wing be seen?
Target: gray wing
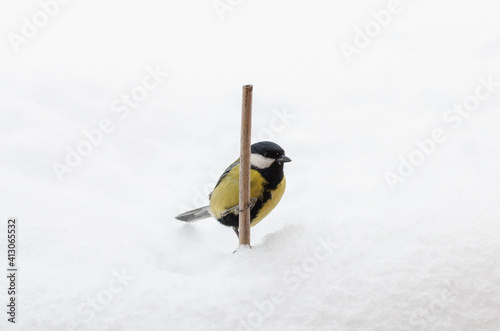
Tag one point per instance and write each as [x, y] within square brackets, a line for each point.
[224, 174]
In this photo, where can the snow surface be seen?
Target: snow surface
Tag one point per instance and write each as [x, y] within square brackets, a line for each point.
[101, 250]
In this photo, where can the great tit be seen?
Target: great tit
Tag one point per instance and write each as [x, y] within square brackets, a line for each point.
[267, 185]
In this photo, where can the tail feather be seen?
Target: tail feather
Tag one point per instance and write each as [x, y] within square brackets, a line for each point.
[194, 215]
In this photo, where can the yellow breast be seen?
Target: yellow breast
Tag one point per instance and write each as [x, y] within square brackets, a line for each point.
[271, 203]
[226, 194]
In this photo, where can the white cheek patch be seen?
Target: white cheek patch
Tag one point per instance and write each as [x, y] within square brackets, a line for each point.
[260, 161]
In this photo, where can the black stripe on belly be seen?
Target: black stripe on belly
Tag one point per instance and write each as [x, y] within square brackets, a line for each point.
[233, 219]
[273, 176]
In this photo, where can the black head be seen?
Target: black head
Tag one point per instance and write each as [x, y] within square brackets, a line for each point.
[266, 153]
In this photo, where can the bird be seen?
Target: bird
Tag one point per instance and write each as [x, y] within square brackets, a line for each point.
[267, 186]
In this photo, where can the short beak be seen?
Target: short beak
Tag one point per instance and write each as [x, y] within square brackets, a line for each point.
[283, 159]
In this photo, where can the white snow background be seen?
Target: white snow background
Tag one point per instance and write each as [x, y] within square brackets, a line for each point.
[101, 250]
